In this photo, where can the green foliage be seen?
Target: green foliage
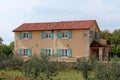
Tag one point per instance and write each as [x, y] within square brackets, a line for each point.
[40, 68]
[103, 71]
[112, 39]
[7, 49]
[84, 66]
[116, 37]
[106, 35]
[10, 62]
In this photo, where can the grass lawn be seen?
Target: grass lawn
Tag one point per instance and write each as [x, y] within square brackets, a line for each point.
[63, 75]
[71, 75]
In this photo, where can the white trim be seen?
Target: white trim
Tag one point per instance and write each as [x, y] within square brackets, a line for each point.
[48, 49]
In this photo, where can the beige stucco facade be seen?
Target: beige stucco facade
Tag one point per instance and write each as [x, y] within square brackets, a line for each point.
[79, 43]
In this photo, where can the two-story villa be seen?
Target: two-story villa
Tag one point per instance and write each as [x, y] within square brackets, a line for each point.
[64, 41]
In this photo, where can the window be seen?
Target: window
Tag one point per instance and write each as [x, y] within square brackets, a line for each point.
[25, 35]
[94, 34]
[48, 35]
[25, 52]
[64, 52]
[46, 51]
[65, 35]
[106, 52]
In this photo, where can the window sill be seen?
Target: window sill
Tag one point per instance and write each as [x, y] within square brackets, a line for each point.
[26, 38]
[64, 38]
[48, 38]
[63, 57]
[25, 56]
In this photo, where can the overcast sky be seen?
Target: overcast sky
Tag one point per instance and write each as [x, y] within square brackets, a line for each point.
[13, 13]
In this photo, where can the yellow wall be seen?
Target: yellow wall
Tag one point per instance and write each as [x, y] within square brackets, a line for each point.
[78, 43]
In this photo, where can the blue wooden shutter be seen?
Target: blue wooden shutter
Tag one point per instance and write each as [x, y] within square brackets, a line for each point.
[42, 35]
[50, 52]
[20, 35]
[59, 52]
[69, 54]
[52, 35]
[20, 52]
[70, 34]
[59, 35]
[30, 35]
[42, 51]
[29, 52]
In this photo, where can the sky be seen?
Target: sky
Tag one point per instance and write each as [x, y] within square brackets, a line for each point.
[14, 13]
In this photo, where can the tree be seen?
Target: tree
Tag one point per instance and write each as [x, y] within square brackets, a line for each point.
[84, 66]
[115, 41]
[106, 35]
[40, 68]
[7, 49]
[116, 37]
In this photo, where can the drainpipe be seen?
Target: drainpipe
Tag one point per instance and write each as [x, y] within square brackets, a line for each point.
[54, 44]
[88, 44]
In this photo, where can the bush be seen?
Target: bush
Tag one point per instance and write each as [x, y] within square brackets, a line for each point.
[40, 68]
[84, 66]
[16, 63]
[103, 71]
[10, 62]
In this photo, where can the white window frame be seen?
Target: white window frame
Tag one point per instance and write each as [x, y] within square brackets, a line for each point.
[64, 52]
[25, 52]
[48, 51]
[25, 35]
[48, 35]
[64, 35]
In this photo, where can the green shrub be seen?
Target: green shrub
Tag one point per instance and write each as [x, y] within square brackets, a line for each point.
[40, 68]
[84, 66]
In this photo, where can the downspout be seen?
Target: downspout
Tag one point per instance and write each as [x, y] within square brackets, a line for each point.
[54, 44]
[88, 44]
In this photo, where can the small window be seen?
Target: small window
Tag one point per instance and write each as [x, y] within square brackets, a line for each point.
[26, 35]
[64, 34]
[48, 35]
[48, 52]
[25, 52]
[64, 52]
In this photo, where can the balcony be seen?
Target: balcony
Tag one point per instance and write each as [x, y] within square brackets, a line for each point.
[102, 41]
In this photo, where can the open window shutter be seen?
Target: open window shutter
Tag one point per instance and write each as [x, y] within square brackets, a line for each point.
[59, 35]
[20, 35]
[52, 34]
[29, 52]
[30, 35]
[43, 35]
[20, 52]
[69, 54]
[58, 51]
[42, 51]
[70, 34]
[50, 52]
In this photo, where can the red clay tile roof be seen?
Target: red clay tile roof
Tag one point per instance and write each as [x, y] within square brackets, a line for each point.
[63, 25]
[98, 44]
